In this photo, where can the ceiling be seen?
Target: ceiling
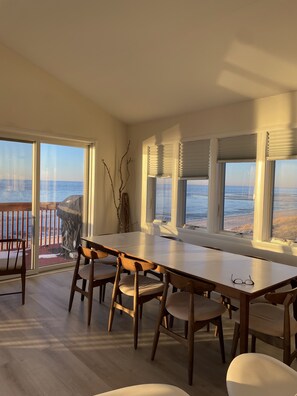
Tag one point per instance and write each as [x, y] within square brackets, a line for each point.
[147, 59]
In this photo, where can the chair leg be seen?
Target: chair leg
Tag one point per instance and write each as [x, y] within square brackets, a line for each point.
[191, 355]
[221, 338]
[90, 302]
[135, 327]
[236, 336]
[115, 293]
[23, 287]
[157, 332]
[72, 294]
[100, 293]
[84, 284]
[253, 344]
[186, 329]
[287, 353]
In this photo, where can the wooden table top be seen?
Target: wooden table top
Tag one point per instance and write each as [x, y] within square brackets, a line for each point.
[207, 264]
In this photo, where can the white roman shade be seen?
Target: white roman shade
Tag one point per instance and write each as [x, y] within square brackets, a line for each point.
[194, 159]
[238, 148]
[160, 160]
[282, 144]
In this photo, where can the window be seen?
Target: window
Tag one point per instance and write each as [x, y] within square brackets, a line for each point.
[196, 203]
[193, 173]
[163, 199]
[282, 150]
[160, 182]
[237, 156]
[238, 213]
[284, 214]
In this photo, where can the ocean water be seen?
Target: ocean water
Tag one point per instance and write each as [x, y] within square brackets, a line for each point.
[50, 191]
[238, 202]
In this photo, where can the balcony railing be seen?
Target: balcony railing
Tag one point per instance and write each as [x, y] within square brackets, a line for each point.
[16, 221]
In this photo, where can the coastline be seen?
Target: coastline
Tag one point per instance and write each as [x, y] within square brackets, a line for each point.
[284, 224]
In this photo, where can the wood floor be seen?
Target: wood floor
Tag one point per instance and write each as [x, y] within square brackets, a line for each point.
[46, 351]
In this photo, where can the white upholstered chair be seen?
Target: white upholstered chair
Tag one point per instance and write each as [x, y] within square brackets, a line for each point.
[147, 390]
[254, 374]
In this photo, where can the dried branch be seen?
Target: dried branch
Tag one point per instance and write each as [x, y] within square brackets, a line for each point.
[112, 185]
[123, 183]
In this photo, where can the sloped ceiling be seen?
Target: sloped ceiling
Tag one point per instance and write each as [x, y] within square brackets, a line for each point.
[146, 59]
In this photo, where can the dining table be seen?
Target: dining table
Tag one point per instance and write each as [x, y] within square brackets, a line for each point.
[209, 265]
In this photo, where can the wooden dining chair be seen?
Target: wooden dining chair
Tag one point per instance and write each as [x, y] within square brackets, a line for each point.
[13, 262]
[272, 323]
[92, 274]
[191, 306]
[136, 285]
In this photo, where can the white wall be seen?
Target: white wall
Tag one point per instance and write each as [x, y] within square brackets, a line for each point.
[241, 118]
[35, 103]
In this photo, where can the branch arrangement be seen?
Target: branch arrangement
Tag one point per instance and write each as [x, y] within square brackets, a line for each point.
[117, 198]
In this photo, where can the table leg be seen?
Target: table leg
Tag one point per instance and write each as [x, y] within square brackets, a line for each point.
[244, 322]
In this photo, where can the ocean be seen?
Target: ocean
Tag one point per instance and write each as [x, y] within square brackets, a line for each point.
[50, 191]
[238, 202]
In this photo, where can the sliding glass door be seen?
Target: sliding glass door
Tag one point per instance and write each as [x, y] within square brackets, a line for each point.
[62, 190]
[16, 193]
[43, 199]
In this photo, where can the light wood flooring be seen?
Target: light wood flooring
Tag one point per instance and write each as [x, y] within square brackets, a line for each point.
[44, 350]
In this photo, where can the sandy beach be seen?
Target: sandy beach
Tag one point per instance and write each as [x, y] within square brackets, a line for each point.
[284, 224]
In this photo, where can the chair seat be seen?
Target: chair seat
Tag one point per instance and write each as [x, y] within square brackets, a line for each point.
[147, 285]
[268, 319]
[101, 271]
[204, 309]
[147, 390]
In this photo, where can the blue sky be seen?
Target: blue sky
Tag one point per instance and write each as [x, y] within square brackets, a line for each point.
[67, 164]
[57, 162]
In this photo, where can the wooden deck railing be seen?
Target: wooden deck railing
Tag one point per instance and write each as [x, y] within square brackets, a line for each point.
[16, 221]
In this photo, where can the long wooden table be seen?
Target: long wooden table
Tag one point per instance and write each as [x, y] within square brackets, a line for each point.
[206, 264]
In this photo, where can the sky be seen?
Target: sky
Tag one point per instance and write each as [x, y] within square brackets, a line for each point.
[57, 162]
[66, 163]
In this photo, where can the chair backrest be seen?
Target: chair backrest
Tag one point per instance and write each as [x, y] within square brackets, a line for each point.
[285, 297]
[134, 264]
[90, 254]
[187, 284]
[256, 374]
[12, 256]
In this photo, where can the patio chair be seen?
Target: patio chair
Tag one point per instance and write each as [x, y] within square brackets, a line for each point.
[137, 286]
[191, 306]
[13, 262]
[92, 274]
